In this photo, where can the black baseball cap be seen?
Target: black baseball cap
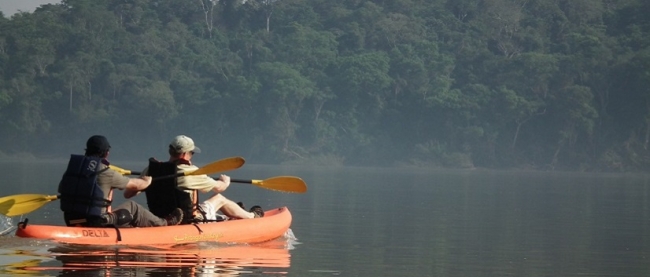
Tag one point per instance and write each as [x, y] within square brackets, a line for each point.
[97, 143]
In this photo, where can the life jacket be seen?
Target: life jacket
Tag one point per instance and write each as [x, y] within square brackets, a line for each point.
[163, 195]
[80, 194]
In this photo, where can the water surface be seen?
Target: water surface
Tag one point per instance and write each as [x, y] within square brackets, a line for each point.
[386, 222]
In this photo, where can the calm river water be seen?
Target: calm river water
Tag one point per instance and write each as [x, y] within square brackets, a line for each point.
[381, 222]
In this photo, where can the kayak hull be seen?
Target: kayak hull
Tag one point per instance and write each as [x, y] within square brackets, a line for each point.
[274, 224]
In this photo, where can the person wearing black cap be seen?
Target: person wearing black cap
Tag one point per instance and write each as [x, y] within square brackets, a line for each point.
[182, 192]
[86, 192]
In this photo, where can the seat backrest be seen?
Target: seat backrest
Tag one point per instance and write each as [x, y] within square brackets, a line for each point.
[163, 195]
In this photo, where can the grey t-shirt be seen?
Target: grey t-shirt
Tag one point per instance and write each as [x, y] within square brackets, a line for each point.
[110, 178]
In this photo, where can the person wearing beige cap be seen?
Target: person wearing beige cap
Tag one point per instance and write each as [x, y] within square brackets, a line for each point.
[182, 192]
[86, 192]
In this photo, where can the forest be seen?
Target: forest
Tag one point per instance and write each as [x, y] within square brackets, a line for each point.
[498, 84]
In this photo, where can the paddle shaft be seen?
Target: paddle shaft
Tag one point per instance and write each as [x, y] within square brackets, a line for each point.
[214, 167]
[280, 183]
[182, 174]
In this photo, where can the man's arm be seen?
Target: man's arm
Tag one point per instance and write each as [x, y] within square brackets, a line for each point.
[222, 183]
[136, 185]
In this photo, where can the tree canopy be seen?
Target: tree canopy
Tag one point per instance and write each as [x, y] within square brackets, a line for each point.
[551, 85]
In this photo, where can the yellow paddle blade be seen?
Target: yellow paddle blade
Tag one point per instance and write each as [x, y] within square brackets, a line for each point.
[280, 183]
[214, 167]
[23, 203]
[121, 170]
[219, 166]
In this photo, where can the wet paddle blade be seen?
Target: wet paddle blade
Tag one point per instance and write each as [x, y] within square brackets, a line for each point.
[23, 203]
[280, 183]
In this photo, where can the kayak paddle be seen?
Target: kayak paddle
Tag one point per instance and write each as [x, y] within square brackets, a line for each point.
[279, 183]
[218, 166]
[23, 203]
[123, 171]
[20, 204]
[222, 165]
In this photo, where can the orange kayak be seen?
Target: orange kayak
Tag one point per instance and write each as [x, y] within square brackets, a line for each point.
[274, 224]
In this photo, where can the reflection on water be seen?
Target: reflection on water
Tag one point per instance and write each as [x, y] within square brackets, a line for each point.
[204, 259]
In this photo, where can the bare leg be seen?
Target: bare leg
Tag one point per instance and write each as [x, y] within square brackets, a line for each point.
[228, 207]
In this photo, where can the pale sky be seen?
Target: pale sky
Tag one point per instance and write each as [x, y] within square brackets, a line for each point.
[9, 7]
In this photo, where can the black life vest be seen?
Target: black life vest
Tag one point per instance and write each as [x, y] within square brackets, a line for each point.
[80, 194]
[163, 196]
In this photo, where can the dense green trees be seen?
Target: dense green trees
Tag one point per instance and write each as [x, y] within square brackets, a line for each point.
[500, 83]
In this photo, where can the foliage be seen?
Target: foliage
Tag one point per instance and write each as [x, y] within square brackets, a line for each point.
[466, 83]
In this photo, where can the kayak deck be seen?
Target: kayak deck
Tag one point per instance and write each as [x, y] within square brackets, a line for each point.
[274, 224]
